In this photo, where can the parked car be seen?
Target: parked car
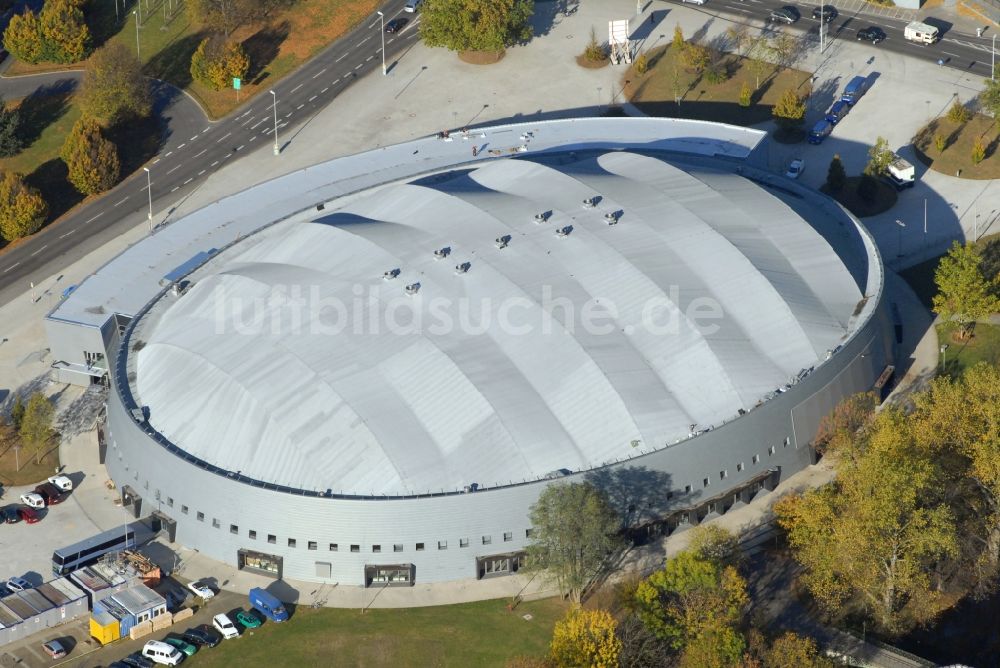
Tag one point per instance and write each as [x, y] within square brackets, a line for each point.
[412, 5]
[184, 646]
[62, 482]
[9, 514]
[786, 14]
[872, 34]
[33, 500]
[18, 583]
[54, 649]
[695, 2]
[162, 653]
[248, 619]
[201, 589]
[225, 626]
[837, 111]
[201, 635]
[826, 13]
[137, 660]
[52, 494]
[4, 592]
[395, 25]
[820, 131]
[795, 168]
[28, 515]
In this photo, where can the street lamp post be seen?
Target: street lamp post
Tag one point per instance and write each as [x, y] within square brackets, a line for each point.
[993, 59]
[899, 250]
[381, 18]
[274, 98]
[135, 13]
[149, 191]
[822, 24]
[944, 357]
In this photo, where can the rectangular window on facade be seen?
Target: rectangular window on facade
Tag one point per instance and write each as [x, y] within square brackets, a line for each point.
[687, 489]
[507, 536]
[333, 547]
[311, 545]
[723, 475]
[272, 539]
[201, 517]
[705, 482]
[527, 533]
[770, 450]
[487, 540]
[215, 523]
[739, 467]
[184, 509]
[398, 547]
[463, 542]
[355, 548]
[233, 528]
[253, 534]
[420, 547]
[442, 545]
[755, 459]
[376, 548]
[787, 441]
[170, 502]
[291, 542]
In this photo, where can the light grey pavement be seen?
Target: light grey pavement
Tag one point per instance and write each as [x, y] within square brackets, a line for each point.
[429, 90]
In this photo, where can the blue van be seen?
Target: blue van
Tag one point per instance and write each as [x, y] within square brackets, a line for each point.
[856, 87]
[268, 605]
[837, 111]
[820, 131]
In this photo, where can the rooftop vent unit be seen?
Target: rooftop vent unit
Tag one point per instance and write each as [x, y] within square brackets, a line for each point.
[542, 217]
[391, 274]
[442, 253]
[463, 268]
[503, 241]
[564, 231]
[612, 216]
[412, 289]
[591, 202]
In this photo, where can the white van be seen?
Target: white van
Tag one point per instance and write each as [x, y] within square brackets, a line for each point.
[62, 482]
[162, 653]
[225, 626]
[412, 5]
[33, 500]
[921, 33]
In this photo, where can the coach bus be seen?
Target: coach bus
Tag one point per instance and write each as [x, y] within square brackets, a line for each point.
[86, 552]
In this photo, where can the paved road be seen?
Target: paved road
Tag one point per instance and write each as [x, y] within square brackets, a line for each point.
[196, 149]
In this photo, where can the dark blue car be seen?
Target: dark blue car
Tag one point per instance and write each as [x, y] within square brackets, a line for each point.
[820, 131]
[837, 111]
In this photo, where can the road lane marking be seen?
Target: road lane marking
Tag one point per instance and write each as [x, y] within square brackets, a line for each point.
[335, 82]
[210, 127]
[341, 58]
[95, 217]
[11, 267]
[949, 53]
[193, 138]
[39, 250]
[204, 151]
[300, 106]
[296, 88]
[214, 163]
[201, 172]
[254, 126]
[358, 66]
[68, 233]
[364, 40]
[223, 137]
[188, 181]
[369, 58]
[120, 201]
[168, 154]
[173, 168]
[174, 188]
[324, 90]
[182, 146]
[240, 147]
[288, 114]
[319, 73]
[252, 137]
[311, 99]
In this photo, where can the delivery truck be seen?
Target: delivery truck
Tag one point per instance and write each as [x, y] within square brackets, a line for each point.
[900, 173]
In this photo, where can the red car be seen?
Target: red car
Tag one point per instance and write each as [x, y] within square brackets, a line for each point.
[52, 494]
[28, 515]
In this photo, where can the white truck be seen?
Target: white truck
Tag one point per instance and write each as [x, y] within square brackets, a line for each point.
[900, 173]
[921, 33]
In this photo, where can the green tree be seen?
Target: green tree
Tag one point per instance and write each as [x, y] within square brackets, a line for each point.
[978, 151]
[17, 413]
[641, 64]
[869, 541]
[65, 35]
[693, 597]
[113, 86]
[757, 62]
[91, 159]
[678, 43]
[784, 47]
[836, 177]
[585, 638]
[696, 57]
[939, 143]
[22, 209]
[595, 52]
[958, 113]
[217, 61]
[793, 651]
[964, 293]
[574, 531]
[989, 99]
[476, 25]
[738, 37]
[222, 15]
[790, 111]
[879, 158]
[36, 425]
[10, 138]
[746, 95]
[714, 543]
[23, 37]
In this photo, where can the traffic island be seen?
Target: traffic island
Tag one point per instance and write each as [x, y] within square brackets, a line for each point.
[966, 150]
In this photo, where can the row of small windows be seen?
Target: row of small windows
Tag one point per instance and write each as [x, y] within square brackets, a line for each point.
[334, 547]
[706, 481]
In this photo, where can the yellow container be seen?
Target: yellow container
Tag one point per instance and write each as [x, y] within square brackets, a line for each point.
[104, 629]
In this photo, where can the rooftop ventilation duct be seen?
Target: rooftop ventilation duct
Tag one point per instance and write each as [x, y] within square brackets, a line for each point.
[391, 274]
[442, 253]
[564, 231]
[412, 289]
[463, 268]
[503, 241]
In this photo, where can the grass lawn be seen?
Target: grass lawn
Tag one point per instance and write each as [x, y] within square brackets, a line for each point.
[468, 634]
[655, 91]
[32, 471]
[885, 198]
[958, 147]
[984, 346]
[167, 39]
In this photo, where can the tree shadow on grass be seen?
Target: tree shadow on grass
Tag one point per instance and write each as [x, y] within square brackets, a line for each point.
[50, 178]
[262, 47]
[173, 63]
[43, 108]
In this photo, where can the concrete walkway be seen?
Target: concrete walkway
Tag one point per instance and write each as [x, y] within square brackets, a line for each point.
[428, 90]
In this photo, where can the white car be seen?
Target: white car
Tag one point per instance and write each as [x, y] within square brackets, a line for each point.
[695, 2]
[62, 482]
[33, 500]
[162, 653]
[17, 583]
[795, 168]
[200, 589]
[225, 626]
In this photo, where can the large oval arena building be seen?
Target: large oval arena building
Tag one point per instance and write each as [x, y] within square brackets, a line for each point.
[374, 383]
